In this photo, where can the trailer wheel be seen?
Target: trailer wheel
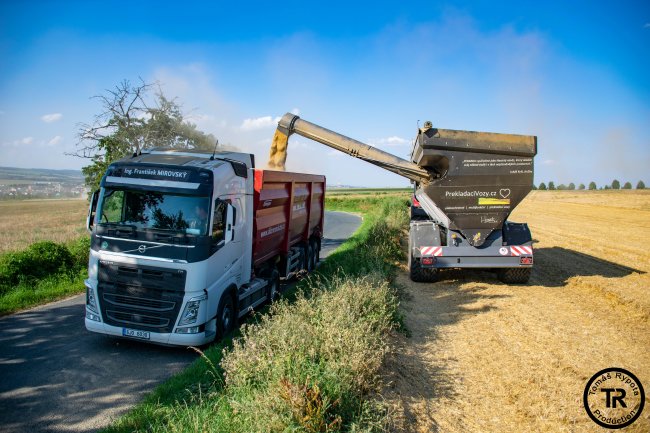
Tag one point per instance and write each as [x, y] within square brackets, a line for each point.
[419, 274]
[274, 287]
[514, 275]
[312, 257]
[316, 252]
[226, 315]
[309, 257]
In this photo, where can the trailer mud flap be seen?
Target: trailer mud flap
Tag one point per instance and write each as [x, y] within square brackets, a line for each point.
[424, 239]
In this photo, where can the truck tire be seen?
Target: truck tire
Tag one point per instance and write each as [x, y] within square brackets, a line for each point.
[226, 315]
[309, 257]
[514, 275]
[419, 274]
[316, 252]
[274, 287]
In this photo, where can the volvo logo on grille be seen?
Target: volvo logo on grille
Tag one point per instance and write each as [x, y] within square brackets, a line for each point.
[142, 249]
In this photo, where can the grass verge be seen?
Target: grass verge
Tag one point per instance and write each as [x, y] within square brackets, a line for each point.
[51, 288]
[310, 364]
[43, 272]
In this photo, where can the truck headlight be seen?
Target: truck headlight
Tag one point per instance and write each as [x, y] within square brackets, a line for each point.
[91, 302]
[191, 311]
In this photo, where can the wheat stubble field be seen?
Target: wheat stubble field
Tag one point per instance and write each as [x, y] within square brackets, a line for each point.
[487, 357]
[23, 222]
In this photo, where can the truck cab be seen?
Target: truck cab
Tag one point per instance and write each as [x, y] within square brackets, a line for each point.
[168, 238]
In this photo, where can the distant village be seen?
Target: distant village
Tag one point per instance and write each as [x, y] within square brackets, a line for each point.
[42, 190]
[21, 184]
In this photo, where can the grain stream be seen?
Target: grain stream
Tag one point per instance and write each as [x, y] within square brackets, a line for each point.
[278, 152]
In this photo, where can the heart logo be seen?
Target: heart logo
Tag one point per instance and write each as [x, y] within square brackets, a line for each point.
[504, 192]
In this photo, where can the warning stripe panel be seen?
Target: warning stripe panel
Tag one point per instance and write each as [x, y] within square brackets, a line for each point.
[521, 251]
[431, 251]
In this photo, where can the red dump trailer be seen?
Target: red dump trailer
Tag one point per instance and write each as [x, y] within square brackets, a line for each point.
[289, 211]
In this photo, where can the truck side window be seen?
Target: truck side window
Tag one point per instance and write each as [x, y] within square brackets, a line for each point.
[219, 223]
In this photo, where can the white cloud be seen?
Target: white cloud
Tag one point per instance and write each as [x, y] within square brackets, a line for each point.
[647, 26]
[295, 111]
[391, 141]
[52, 117]
[394, 141]
[26, 140]
[55, 140]
[259, 123]
[549, 162]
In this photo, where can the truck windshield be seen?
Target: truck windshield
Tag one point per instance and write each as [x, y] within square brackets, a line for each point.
[155, 210]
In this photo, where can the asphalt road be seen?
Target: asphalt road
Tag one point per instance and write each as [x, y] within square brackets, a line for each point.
[57, 377]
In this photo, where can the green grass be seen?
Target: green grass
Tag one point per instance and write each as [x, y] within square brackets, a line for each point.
[26, 295]
[373, 191]
[311, 363]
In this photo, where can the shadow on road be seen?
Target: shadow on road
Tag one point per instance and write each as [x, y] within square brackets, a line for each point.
[55, 373]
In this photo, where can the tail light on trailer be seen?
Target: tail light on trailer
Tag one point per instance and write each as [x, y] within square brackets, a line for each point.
[525, 260]
[428, 260]
[416, 202]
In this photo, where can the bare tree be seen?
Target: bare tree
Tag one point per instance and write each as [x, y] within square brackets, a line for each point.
[129, 122]
[123, 119]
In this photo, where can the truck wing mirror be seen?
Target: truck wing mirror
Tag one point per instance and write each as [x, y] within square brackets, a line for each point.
[90, 219]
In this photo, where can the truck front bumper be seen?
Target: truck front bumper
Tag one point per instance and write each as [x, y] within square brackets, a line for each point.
[167, 339]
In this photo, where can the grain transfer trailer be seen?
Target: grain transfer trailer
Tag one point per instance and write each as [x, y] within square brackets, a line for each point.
[184, 243]
[466, 184]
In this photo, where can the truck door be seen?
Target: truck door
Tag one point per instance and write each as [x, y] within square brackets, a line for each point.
[226, 257]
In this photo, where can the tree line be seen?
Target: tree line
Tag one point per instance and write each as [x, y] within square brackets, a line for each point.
[592, 186]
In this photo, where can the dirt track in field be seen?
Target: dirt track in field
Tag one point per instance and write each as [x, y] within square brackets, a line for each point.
[488, 357]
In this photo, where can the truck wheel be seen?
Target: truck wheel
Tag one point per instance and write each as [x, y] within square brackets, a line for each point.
[514, 275]
[314, 254]
[316, 248]
[420, 274]
[309, 257]
[226, 315]
[274, 287]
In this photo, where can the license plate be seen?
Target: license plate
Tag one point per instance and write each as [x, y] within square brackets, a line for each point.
[134, 333]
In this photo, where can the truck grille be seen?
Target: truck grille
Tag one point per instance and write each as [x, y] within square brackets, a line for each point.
[140, 297]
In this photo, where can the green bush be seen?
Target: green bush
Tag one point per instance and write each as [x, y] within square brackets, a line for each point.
[42, 272]
[79, 250]
[39, 260]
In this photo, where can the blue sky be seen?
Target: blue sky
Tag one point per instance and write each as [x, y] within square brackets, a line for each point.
[575, 75]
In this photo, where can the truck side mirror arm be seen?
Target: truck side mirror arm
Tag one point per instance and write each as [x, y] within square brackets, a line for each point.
[90, 219]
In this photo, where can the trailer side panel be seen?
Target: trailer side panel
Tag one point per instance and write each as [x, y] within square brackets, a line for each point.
[288, 210]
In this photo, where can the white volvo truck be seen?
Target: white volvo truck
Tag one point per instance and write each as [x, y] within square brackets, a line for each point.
[185, 243]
